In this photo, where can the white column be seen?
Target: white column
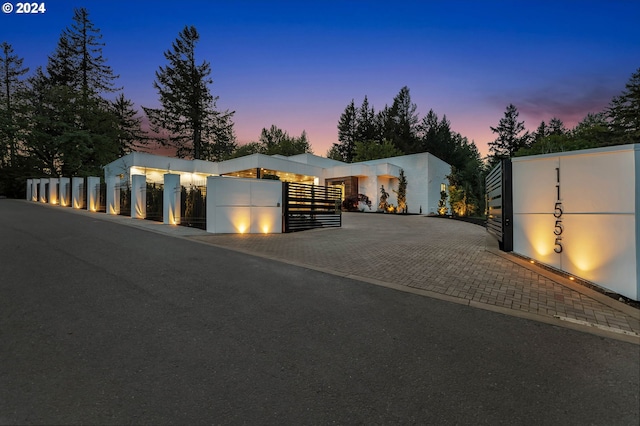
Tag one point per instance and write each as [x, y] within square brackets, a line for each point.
[34, 189]
[171, 199]
[43, 190]
[113, 195]
[138, 196]
[29, 189]
[52, 196]
[63, 196]
[93, 195]
[77, 192]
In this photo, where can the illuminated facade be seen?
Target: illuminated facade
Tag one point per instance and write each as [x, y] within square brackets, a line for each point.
[425, 174]
[578, 212]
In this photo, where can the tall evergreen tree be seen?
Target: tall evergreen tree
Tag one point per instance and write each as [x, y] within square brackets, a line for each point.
[541, 132]
[556, 127]
[52, 115]
[401, 123]
[367, 127]
[277, 141]
[130, 136]
[593, 131]
[510, 137]
[188, 110]
[401, 192]
[374, 150]
[78, 61]
[66, 104]
[11, 71]
[348, 133]
[624, 112]
[437, 138]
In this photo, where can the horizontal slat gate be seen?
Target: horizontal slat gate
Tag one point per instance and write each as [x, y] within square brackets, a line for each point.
[494, 201]
[500, 204]
[311, 206]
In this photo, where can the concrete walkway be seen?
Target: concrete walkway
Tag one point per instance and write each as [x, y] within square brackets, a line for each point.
[441, 258]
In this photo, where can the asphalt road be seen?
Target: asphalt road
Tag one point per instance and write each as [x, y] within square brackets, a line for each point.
[102, 323]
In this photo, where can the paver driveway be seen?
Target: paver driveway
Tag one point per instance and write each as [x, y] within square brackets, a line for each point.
[442, 257]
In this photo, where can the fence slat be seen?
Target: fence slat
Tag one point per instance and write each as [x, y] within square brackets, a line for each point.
[311, 206]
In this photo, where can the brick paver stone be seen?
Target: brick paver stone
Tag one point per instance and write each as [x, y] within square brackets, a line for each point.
[439, 255]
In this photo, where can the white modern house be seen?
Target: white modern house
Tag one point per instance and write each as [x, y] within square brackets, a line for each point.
[426, 175]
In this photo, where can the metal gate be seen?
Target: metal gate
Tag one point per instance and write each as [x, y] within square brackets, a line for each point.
[124, 194]
[193, 206]
[310, 206]
[101, 202]
[154, 199]
[499, 193]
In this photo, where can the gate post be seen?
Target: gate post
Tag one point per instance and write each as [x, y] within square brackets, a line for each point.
[35, 189]
[138, 196]
[499, 196]
[63, 195]
[42, 192]
[52, 196]
[113, 195]
[507, 206]
[77, 189]
[93, 193]
[171, 199]
[285, 207]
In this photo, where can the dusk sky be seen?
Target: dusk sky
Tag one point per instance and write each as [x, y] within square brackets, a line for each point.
[298, 64]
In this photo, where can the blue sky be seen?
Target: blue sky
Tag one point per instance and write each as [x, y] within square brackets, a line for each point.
[298, 64]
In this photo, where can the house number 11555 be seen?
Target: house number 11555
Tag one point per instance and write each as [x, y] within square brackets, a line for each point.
[557, 213]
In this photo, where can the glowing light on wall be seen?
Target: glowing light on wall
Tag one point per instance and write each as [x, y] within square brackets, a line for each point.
[172, 217]
[566, 215]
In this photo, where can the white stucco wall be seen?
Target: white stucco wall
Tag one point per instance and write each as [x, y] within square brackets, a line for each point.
[594, 233]
[424, 174]
[238, 206]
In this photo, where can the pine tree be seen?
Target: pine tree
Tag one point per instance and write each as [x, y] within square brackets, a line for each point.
[130, 136]
[624, 112]
[401, 123]
[78, 61]
[556, 127]
[188, 110]
[347, 133]
[67, 108]
[10, 72]
[401, 193]
[541, 132]
[51, 114]
[510, 138]
[374, 150]
[275, 141]
[367, 128]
